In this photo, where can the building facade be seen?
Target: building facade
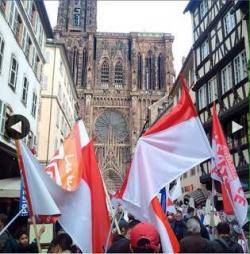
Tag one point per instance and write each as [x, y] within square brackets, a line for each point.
[117, 76]
[58, 107]
[220, 64]
[24, 27]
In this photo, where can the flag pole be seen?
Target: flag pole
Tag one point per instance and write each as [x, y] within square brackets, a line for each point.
[10, 222]
[110, 206]
[213, 209]
[25, 183]
[110, 230]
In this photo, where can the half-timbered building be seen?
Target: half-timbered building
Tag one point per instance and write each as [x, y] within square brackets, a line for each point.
[220, 65]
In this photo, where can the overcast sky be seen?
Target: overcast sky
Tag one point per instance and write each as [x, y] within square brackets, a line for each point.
[142, 16]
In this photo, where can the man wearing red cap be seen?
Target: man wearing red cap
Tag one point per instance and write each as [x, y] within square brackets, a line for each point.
[144, 238]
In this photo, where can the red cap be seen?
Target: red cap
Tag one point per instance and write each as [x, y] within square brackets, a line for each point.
[147, 231]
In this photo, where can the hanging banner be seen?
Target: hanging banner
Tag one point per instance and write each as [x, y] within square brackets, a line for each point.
[23, 205]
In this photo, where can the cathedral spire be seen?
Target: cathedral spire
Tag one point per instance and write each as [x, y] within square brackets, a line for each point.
[77, 15]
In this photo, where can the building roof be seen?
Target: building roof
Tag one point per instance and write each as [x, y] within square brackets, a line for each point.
[44, 18]
[147, 35]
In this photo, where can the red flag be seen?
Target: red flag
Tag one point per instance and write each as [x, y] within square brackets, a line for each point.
[225, 172]
[228, 208]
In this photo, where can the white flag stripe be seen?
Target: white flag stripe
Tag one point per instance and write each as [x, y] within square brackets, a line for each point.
[172, 151]
[84, 137]
[42, 202]
[75, 220]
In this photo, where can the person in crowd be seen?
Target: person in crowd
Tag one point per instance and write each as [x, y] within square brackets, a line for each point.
[178, 225]
[144, 238]
[191, 214]
[120, 246]
[121, 243]
[62, 243]
[21, 243]
[224, 243]
[5, 235]
[124, 228]
[170, 217]
[193, 242]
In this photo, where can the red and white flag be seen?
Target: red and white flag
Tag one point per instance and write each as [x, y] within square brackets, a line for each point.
[40, 202]
[225, 172]
[79, 191]
[172, 146]
[74, 182]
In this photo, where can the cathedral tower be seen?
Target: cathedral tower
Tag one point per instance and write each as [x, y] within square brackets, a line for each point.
[117, 76]
[77, 15]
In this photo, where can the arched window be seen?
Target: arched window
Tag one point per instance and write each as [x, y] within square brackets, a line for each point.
[161, 71]
[150, 71]
[118, 73]
[139, 71]
[75, 64]
[84, 66]
[105, 72]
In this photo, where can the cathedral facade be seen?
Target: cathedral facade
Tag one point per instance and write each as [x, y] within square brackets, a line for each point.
[117, 76]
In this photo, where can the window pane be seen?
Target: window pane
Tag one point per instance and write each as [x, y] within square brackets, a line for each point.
[105, 72]
[119, 73]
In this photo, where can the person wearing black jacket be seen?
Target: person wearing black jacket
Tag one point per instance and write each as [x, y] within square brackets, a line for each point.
[224, 243]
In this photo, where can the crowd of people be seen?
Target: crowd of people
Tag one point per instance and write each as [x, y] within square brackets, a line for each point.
[140, 237]
[192, 234]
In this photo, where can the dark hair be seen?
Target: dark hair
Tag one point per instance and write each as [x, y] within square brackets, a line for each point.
[133, 223]
[223, 228]
[123, 224]
[143, 246]
[130, 217]
[190, 209]
[19, 233]
[120, 246]
[179, 211]
[3, 218]
[63, 240]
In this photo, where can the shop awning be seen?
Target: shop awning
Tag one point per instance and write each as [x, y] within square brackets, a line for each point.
[10, 187]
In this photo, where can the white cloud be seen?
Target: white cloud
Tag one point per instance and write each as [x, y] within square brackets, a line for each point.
[143, 16]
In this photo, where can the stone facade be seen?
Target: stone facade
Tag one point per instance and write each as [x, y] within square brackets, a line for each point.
[118, 76]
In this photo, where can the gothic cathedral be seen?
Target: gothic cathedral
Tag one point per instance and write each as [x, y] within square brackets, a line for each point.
[117, 76]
